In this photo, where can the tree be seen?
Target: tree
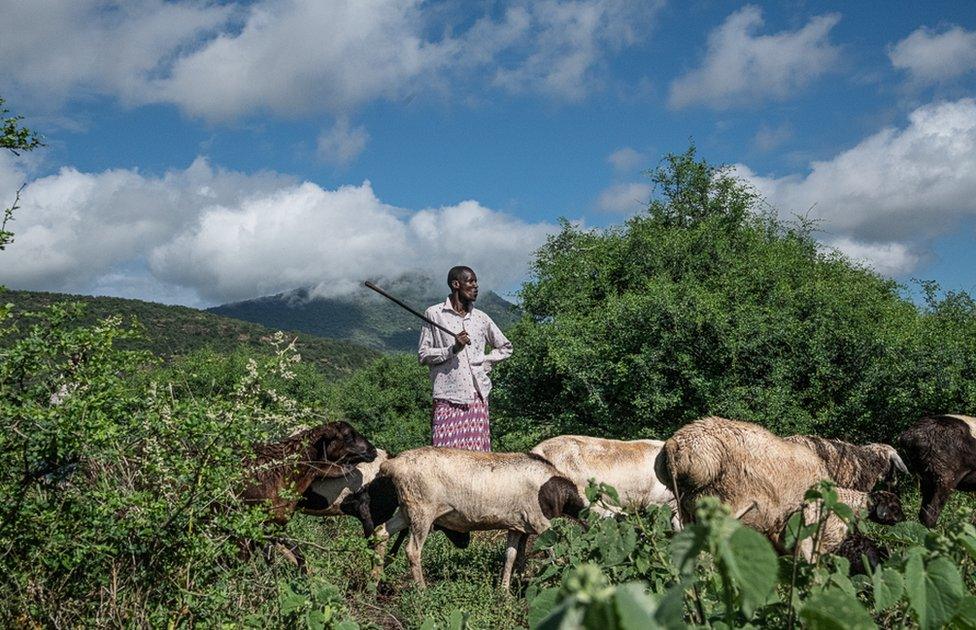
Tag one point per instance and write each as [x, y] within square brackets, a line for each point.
[708, 303]
[14, 138]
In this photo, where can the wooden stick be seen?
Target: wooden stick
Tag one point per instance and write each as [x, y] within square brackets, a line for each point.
[417, 313]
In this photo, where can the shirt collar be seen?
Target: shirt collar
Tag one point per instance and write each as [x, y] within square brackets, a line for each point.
[447, 306]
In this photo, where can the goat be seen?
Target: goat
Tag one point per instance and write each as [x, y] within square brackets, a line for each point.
[280, 472]
[627, 466]
[465, 491]
[836, 537]
[855, 466]
[941, 450]
[359, 493]
[762, 477]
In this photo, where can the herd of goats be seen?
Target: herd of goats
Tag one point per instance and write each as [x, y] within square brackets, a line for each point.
[332, 470]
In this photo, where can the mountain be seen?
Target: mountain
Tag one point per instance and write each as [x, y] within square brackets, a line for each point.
[364, 317]
[178, 330]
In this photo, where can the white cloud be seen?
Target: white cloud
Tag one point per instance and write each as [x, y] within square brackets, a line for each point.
[741, 67]
[567, 42]
[304, 56]
[886, 198]
[204, 235]
[626, 159]
[224, 61]
[890, 259]
[53, 50]
[342, 144]
[931, 57]
[624, 198]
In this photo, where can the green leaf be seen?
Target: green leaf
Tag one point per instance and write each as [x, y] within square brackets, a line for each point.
[543, 604]
[316, 619]
[671, 608]
[635, 610]
[833, 609]
[751, 563]
[934, 590]
[290, 600]
[888, 588]
[458, 620]
[686, 545]
[566, 616]
[969, 544]
[965, 616]
[795, 532]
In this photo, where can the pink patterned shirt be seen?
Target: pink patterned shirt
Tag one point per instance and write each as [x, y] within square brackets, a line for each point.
[459, 378]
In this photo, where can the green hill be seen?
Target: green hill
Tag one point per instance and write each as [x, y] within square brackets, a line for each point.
[364, 317]
[179, 330]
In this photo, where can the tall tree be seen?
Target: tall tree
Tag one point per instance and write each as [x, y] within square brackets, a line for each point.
[708, 303]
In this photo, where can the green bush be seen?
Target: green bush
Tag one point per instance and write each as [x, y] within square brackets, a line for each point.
[118, 502]
[636, 573]
[709, 304]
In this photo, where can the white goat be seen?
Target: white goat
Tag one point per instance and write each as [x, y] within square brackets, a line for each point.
[627, 465]
[466, 491]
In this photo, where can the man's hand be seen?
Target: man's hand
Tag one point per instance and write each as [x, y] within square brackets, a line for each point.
[462, 340]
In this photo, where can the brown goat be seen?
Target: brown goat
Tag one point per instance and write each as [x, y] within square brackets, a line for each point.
[280, 472]
[855, 466]
[941, 450]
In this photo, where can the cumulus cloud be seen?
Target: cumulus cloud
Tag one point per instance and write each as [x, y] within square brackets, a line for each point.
[55, 50]
[890, 259]
[342, 144]
[741, 67]
[204, 235]
[932, 57]
[886, 198]
[626, 159]
[624, 198]
[227, 60]
[567, 42]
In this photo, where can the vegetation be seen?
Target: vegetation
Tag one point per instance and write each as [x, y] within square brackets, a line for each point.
[119, 470]
[14, 137]
[174, 331]
[364, 318]
[708, 304]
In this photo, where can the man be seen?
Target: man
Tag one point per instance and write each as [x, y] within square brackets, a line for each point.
[459, 366]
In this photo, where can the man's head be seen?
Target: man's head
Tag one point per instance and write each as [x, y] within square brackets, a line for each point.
[464, 282]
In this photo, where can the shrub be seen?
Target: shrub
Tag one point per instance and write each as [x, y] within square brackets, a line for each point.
[118, 502]
[709, 304]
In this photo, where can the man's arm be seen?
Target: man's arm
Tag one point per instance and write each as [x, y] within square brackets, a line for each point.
[501, 347]
[427, 353]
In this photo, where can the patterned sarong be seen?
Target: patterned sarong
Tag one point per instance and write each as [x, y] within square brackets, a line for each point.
[461, 426]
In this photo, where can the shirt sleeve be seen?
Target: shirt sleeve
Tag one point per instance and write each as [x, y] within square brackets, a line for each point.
[427, 353]
[501, 347]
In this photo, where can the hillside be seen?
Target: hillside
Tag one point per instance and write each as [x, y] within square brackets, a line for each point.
[179, 330]
[364, 318]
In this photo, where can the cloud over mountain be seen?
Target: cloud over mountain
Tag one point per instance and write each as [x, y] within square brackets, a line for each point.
[222, 235]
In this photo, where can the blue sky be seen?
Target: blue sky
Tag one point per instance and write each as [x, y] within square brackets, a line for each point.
[203, 152]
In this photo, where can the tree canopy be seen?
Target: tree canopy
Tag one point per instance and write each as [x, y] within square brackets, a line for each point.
[709, 303]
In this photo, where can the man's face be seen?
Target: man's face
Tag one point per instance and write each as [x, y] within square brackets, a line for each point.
[468, 286]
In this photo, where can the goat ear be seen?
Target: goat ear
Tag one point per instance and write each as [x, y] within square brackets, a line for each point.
[322, 446]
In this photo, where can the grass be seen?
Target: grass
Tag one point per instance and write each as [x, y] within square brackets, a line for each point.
[463, 579]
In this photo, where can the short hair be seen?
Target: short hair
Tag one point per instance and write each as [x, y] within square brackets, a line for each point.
[456, 272]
